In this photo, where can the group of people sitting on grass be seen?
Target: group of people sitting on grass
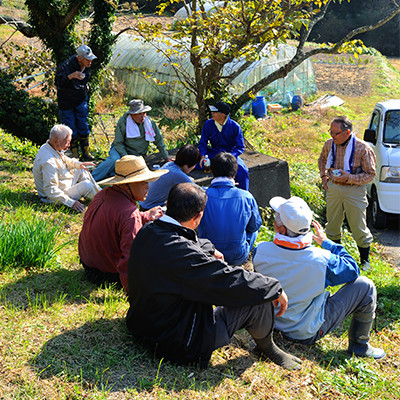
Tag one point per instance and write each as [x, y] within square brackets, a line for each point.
[178, 250]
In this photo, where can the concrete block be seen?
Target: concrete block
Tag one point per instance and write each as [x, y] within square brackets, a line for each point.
[269, 176]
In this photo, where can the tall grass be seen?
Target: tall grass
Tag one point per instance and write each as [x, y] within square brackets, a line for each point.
[28, 243]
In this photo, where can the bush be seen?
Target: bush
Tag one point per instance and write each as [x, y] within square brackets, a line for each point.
[28, 243]
[24, 116]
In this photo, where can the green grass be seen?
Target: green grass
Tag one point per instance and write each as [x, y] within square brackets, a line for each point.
[61, 337]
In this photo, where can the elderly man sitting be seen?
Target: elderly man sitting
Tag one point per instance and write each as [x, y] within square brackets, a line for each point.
[58, 178]
[133, 134]
[112, 221]
[305, 271]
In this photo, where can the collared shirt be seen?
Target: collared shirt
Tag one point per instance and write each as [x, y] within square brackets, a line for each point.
[363, 162]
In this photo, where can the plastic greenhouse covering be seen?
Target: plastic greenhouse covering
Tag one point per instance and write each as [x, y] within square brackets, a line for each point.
[139, 65]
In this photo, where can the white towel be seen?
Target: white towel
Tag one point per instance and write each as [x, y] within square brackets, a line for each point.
[348, 155]
[132, 129]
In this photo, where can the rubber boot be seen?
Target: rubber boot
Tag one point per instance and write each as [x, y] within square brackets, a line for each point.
[86, 156]
[74, 148]
[364, 258]
[359, 334]
[269, 349]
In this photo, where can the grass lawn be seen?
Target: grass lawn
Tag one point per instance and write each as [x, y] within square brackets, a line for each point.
[63, 338]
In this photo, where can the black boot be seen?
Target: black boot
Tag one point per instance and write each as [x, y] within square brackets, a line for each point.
[269, 349]
[364, 258]
[359, 334]
[86, 156]
[74, 148]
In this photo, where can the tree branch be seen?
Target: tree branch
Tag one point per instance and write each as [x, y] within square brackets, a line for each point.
[21, 26]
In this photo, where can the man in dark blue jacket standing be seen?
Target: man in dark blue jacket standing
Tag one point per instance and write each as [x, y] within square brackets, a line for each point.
[72, 77]
[224, 134]
[175, 279]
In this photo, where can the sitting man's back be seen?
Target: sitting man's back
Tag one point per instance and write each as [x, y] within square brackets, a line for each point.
[175, 279]
[306, 271]
[231, 218]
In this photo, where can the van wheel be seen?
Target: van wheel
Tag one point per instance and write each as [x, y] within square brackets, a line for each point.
[379, 217]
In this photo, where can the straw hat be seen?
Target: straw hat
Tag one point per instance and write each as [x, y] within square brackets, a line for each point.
[137, 106]
[131, 169]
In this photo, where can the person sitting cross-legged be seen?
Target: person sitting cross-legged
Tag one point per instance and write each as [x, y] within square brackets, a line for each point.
[305, 271]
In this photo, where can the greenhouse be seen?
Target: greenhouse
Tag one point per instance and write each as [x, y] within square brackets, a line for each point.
[148, 75]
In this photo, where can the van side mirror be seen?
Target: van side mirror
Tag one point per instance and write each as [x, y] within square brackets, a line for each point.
[370, 136]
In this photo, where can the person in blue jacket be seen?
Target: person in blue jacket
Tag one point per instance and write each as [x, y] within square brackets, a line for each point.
[224, 134]
[231, 218]
[185, 160]
[305, 271]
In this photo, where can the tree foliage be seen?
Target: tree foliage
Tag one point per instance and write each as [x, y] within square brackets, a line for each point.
[54, 22]
[242, 31]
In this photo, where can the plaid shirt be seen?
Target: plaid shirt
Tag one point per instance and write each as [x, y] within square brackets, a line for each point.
[363, 162]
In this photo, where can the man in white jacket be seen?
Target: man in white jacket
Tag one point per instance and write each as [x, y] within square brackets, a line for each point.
[305, 271]
[58, 178]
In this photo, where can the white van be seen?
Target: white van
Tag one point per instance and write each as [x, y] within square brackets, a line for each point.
[383, 134]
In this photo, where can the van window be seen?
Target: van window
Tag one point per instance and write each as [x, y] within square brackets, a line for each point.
[374, 121]
[391, 132]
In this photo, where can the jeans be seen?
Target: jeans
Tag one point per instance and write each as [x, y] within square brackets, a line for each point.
[356, 296]
[107, 167]
[77, 119]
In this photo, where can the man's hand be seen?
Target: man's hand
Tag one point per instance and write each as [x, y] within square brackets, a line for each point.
[218, 255]
[76, 75]
[283, 301]
[78, 206]
[87, 164]
[343, 178]
[319, 236]
[325, 180]
[155, 213]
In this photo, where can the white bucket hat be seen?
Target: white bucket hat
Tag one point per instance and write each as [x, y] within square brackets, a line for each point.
[294, 212]
[131, 169]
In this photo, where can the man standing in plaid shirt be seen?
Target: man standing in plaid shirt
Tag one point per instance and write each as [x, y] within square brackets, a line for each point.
[346, 165]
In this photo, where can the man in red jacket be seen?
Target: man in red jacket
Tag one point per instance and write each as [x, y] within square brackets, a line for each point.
[112, 221]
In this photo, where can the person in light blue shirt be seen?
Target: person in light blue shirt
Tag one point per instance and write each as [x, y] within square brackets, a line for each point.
[231, 218]
[186, 159]
[305, 271]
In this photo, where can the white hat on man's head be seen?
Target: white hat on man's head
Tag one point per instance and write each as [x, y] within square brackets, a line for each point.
[294, 212]
[132, 169]
[85, 52]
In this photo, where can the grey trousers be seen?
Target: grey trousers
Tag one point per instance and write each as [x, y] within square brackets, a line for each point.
[258, 320]
[356, 296]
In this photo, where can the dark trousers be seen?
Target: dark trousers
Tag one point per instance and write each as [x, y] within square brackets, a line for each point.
[258, 320]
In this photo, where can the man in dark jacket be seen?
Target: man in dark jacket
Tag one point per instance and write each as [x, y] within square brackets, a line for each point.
[173, 290]
[72, 77]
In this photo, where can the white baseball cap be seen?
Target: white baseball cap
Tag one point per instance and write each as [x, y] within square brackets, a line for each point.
[294, 212]
[85, 52]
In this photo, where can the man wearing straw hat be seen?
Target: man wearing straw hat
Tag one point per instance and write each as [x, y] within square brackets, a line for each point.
[112, 221]
[133, 134]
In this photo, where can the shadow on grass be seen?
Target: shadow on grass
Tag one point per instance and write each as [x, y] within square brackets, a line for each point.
[43, 289]
[102, 355]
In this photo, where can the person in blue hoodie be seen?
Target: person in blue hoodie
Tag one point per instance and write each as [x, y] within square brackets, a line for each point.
[305, 271]
[231, 218]
[224, 134]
